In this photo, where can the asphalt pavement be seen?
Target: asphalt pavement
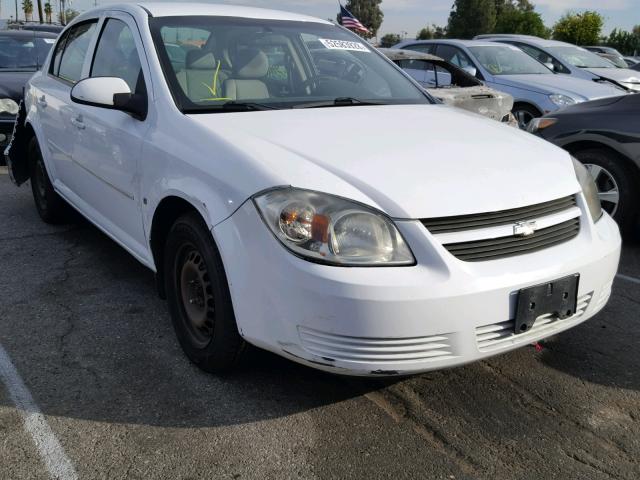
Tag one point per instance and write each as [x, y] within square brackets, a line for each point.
[97, 388]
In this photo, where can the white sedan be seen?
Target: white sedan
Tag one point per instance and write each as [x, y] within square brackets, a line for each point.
[293, 189]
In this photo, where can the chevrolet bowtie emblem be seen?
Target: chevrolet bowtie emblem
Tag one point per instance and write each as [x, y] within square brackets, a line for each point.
[525, 229]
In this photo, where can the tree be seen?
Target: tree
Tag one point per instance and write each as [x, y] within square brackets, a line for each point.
[48, 11]
[469, 18]
[369, 14]
[27, 8]
[389, 40]
[40, 17]
[434, 31]
[625, 42]
[69, 14]
[579, 28]
[519, 17]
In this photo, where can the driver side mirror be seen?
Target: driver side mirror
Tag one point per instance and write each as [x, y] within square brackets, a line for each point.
[471, 70]
[110, 92]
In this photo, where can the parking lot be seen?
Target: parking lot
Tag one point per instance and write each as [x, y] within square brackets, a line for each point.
[92, 342]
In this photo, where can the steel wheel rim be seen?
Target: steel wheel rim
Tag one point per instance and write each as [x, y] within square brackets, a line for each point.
[196, 296]
[523, 117]
[608, 189]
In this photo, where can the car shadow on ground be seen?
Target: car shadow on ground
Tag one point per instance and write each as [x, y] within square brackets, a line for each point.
[99, 345]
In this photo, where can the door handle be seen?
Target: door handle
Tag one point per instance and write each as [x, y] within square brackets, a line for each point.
[42, 101]
[77, 122]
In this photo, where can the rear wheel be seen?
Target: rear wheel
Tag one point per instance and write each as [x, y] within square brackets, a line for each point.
[198, 297]
[51, 207]
[615, 183]
[524, 114]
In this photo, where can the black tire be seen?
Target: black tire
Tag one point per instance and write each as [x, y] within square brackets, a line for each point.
[524, 114]
[627, 213]
[51, 207]
[204, 323]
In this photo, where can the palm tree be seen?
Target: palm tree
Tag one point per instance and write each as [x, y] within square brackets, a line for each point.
[27, 8]
[40, 17]
[48, 11]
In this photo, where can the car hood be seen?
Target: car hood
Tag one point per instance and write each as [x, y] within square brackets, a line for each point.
[483, 100]
[12, 84]
[628, 77]
[575, 88]
[410, 161]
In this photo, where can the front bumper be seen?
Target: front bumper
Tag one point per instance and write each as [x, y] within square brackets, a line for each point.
[441, 313]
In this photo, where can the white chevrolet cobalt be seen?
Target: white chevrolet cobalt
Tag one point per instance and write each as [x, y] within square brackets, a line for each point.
[293, 189]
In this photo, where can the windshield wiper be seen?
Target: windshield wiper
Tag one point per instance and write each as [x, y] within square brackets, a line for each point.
[231, 106]
[340, 102]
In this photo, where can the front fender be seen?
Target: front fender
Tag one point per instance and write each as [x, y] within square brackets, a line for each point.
[16, 153]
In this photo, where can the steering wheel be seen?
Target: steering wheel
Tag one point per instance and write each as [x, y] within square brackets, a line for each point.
[354, 73]
[314, 82]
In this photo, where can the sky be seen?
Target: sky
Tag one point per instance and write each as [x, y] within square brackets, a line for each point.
[411, 15]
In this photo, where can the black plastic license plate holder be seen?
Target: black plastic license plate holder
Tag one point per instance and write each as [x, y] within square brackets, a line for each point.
[558, 298]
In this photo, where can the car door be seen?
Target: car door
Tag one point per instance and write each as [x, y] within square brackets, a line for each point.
[110, 141]
[55, 109]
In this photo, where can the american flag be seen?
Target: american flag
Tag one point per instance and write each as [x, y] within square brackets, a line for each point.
[348, 20]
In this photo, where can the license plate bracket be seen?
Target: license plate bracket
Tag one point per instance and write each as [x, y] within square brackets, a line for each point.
[558, 298]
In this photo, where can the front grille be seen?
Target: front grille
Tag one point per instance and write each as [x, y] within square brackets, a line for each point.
[502, 335]
[503, 247]
[493, 219]
[376, 350]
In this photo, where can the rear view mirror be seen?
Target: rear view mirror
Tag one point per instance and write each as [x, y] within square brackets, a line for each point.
[109, 92]
[470, 70]
[550, 66]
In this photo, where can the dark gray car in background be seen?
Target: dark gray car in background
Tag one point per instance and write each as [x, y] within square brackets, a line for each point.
[605, 136]
[22, 52]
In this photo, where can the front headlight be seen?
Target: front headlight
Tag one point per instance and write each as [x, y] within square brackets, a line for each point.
[589, 190]
[9, 106]
[562, 100]
[332, 230]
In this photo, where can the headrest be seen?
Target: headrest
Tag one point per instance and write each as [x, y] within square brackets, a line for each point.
[251, 63]
[199, 60]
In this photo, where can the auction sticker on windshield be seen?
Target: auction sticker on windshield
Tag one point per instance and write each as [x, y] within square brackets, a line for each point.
[343, 45]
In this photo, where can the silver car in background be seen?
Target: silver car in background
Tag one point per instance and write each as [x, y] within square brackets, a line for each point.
[452, 85]
[571, 60]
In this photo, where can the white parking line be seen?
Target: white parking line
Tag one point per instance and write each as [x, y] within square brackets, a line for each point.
[628, 278]
[51, 452]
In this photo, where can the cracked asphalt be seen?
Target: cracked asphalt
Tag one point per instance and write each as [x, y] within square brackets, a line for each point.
[93, 343]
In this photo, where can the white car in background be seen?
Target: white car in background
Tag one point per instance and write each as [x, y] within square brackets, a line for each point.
[320, 206]
[452, 85]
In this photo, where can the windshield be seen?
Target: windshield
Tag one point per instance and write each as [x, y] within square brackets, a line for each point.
[23, 53]
[508, 60]
[212, 61]
[579, 57]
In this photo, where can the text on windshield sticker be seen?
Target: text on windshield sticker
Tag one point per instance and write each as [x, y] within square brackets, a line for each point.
[343, 45]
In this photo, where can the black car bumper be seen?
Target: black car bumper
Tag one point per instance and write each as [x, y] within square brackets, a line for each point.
[6, 130]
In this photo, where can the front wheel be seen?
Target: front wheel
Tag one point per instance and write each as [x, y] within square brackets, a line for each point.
[616, 186]
[524, 114]
[198, 297]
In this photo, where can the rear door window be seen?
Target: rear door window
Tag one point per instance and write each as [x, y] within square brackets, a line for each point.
[75, 52]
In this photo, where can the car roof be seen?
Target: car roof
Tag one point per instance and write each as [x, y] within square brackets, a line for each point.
[398, 54]
[465, 43]
[537, 41]
[179, 9]
[27, 34]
